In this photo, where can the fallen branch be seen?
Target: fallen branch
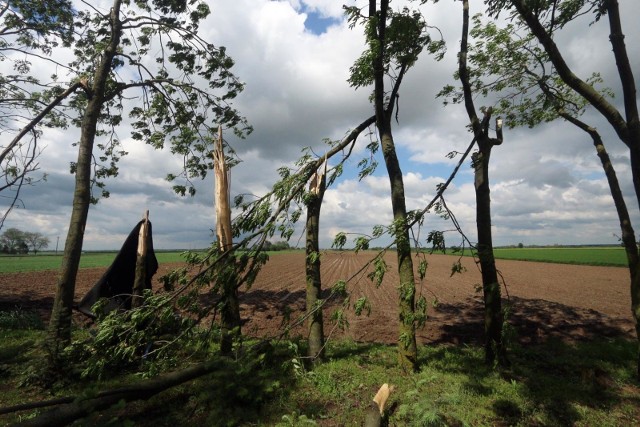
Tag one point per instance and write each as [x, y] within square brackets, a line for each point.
[74, 408]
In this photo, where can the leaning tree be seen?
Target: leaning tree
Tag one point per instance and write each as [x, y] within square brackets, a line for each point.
[146, 60]
[544, 20]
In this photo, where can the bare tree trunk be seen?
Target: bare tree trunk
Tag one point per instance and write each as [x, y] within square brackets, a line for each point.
[230, 309]
[59, 331]
[315, 327]
[493, 317]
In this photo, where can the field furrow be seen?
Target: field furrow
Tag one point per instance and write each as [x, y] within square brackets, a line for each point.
[570, 302]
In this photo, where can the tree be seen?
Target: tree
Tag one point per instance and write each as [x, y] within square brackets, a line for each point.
[29, 31]
[395, 40]
[179, 102]
[12, 240]
[36, 241]
[543, 20]
[493, 317]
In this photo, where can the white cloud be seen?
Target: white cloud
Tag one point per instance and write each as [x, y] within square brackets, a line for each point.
[547, 183]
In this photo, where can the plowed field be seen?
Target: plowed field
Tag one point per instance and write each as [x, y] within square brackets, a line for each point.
[566, 301]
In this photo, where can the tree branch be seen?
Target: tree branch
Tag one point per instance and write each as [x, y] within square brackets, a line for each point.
[38, 118]
[580, 86]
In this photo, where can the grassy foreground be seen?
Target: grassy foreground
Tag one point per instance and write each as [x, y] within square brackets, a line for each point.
[553, 384]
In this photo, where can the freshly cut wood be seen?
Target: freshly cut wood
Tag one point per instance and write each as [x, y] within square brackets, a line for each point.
[139, 283]
[375, 411]
[230, 311]
[223, 209]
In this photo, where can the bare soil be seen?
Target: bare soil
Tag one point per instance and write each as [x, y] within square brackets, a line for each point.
[569, 302]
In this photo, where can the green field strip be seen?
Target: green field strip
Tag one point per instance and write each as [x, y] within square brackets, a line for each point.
[46, 261]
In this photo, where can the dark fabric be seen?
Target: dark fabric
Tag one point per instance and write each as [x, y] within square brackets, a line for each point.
[117, 282]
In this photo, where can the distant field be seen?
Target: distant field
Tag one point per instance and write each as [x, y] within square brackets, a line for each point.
[605, 256]
[46, 261]
[613, 256]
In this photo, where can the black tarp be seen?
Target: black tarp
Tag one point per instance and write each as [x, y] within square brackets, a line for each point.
[117, 282]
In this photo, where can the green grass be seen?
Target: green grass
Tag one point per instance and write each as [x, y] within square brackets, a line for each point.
[46, 261]
[548, 384]
[608, 256]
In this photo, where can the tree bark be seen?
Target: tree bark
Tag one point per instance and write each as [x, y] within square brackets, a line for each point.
[407, 345]
[493, 316]
[315, 327]
[59, 330]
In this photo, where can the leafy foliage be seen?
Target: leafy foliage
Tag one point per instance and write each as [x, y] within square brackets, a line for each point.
[555, 13]
[509, 68]
[29, 31]
[379, 270]
[145, 338]
[406, 35]
[172, 106]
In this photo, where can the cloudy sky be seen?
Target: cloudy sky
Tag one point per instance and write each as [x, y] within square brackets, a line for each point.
[294, 56]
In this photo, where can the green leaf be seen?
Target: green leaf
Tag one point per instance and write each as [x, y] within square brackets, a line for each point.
[457, 268]
[422, 268]
[362, 304]
[339, 241]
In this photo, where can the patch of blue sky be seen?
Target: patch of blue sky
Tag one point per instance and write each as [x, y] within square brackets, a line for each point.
[594, 175]
[318, 24]
[440, 168]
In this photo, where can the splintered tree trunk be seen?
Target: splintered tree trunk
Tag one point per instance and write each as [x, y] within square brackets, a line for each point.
[314, 283]
[140, 280]
[230, 309]
[59, 330]
[493, 317]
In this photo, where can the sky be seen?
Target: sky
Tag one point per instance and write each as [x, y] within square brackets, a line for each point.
[547, 185]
